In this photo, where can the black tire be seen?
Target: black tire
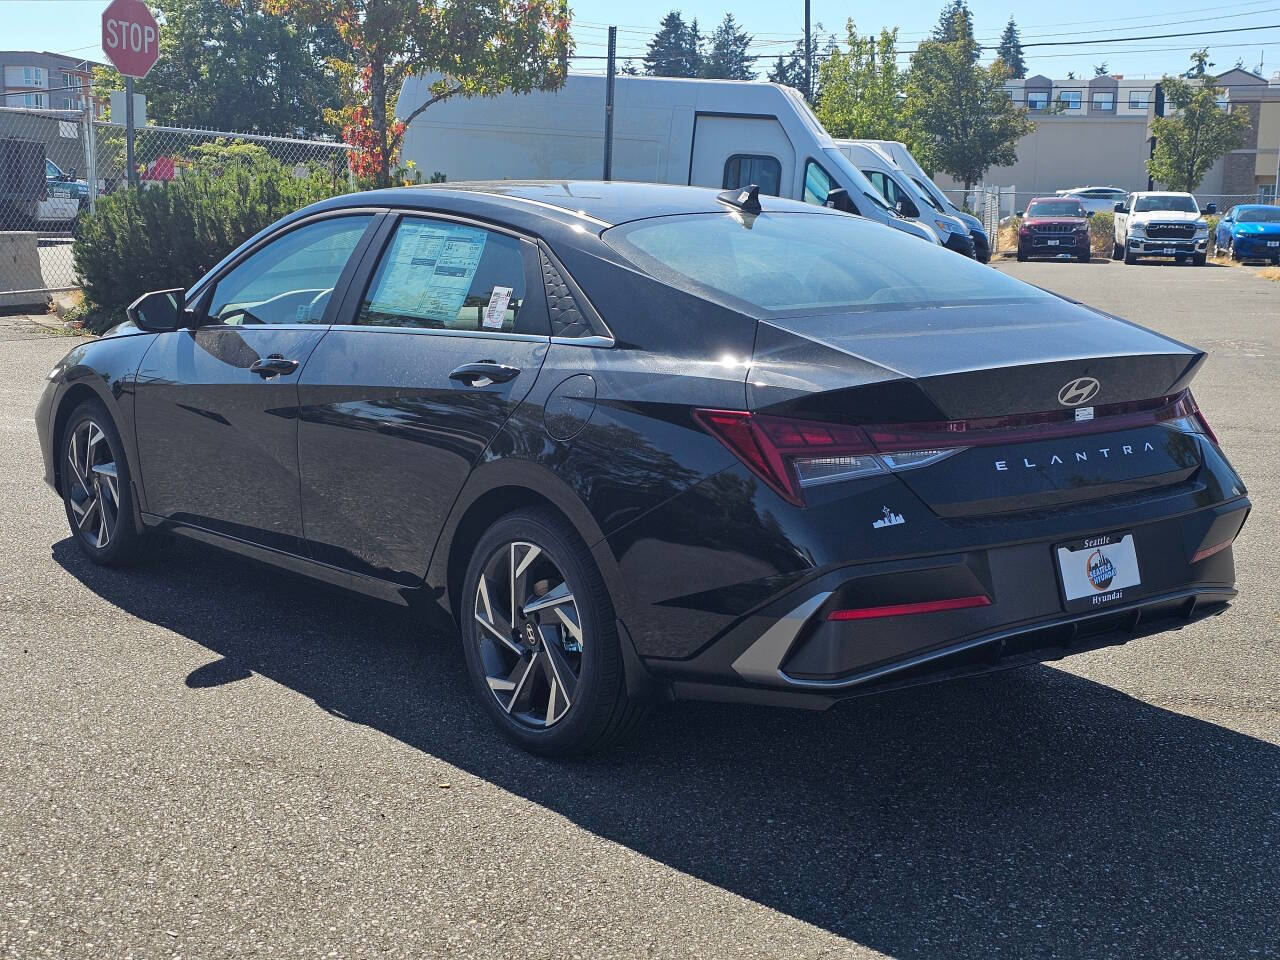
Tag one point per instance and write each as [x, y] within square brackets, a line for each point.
[1084, 257]
[1231, 250]
[97, 488]
[1198, 260]
[599, 712]
[1129, 257]
[1117, 251]
[1022, 257]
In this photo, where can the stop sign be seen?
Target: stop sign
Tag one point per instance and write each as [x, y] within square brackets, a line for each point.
[130, 37]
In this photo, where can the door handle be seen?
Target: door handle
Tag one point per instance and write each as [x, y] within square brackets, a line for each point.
[273, 366]
[484, 372]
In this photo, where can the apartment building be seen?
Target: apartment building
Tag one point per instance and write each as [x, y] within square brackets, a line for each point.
[1251, 170]
[50, 81]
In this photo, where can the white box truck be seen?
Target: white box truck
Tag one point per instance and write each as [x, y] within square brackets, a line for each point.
[709, 133]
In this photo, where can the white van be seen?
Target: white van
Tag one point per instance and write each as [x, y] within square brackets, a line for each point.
[709, 133]
[899, 154]
[904, 196]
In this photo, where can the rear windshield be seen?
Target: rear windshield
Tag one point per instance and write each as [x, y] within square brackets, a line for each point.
[1175, 203]
[1265, 215]
[801, 263]
[1055, 208]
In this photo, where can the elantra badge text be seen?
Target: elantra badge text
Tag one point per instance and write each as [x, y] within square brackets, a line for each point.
[1078, 391]
[1080, 456]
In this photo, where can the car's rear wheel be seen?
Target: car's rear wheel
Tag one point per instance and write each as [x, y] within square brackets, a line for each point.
[541, 640]
[97, 488]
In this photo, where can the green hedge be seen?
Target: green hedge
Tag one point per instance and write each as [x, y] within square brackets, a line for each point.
[169, 235]
[1102, 235]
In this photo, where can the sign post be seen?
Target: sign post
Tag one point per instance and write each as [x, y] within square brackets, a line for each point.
[131, 41]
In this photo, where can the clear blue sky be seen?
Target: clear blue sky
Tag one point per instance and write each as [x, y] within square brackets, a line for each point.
[73, 26]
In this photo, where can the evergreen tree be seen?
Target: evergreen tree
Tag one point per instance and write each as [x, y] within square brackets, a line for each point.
[728, 58]
[1010, 52]
[789, 69]
[1100, 69]
[673, 51]
[1200, 64]
[948, 29]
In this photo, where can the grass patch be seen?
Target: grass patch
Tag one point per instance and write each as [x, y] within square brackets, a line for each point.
[1270, 273]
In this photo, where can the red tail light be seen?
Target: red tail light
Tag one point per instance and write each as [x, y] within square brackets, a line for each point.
[790, 454]
[905, 609]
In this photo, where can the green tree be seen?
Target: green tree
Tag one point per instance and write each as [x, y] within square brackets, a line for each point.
[954, 21]
[212, 52]
[1009, 52]
[727, 58]
[863, 89]
[788, 69]
[1194, 133]
[479, 48]
[964, 120]
[1200, 64]
[1100, 69]
[675, 50]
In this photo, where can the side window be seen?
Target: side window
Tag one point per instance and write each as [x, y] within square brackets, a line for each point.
[742, 169]
[291, 278]
[817, 183]
[446, 276]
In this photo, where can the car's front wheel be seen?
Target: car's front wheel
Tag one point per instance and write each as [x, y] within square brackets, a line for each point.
[96, 487]
[540, 637]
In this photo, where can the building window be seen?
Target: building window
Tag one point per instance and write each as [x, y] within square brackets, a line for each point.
[34, 100]
[72, 103]
[1267, 193]
[1037, 99]
[32, 76]
[1103, 100]
[1069, 99]
[1139, 99]
[1224, 102]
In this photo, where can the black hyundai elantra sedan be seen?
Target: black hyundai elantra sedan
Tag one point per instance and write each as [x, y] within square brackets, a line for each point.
[646, 442]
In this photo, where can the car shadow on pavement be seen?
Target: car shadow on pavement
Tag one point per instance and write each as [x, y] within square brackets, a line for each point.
[1029, 813]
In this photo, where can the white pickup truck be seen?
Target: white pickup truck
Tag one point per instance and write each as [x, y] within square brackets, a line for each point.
[1158, 224]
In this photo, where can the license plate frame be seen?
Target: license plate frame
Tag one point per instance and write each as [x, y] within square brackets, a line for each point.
[1098, 572]
[1051, 243]
[1170, 251]
[1273, 243]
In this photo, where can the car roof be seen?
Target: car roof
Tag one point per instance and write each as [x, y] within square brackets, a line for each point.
[595, 205]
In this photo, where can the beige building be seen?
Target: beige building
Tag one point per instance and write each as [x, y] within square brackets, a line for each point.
[1098, 132]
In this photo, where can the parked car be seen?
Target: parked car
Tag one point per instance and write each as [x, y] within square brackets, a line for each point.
[708, 133]
[1096, 199]
[1054, 227]
[648, 442]
[897, 190]
[65, 195]
[1250, 231]
[1160, 224]
[900, 155]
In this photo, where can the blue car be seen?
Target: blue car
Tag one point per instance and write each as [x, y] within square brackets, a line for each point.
[1250, 231]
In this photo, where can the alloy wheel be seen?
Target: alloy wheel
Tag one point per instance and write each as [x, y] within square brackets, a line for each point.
[94, 485]
[530, 637]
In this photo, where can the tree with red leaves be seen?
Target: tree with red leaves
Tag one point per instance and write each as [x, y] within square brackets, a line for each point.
[479, 48]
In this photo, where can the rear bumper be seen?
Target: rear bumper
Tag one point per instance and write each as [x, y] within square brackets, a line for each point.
[791, 653]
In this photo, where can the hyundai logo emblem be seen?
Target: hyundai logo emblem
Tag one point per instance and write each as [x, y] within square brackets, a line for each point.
[1078, 391]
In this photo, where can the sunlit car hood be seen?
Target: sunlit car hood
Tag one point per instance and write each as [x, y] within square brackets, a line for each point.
[1256, 228]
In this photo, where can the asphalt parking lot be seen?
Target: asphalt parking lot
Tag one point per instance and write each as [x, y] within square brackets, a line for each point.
[202, 758]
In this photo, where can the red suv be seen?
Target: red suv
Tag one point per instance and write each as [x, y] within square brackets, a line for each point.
[1052, 227]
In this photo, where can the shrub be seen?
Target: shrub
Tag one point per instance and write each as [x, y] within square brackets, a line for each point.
[1102, 234]
[170, 234]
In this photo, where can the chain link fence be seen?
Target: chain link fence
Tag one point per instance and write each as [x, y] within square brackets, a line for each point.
[56, 165]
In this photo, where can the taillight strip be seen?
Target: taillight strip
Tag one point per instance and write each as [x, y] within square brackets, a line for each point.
[907, 609]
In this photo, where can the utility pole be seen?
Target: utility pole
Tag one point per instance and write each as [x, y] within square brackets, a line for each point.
[608, 103]
[808, 64]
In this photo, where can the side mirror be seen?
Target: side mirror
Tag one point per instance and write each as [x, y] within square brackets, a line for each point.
[159, 311]
[71, 174]
[838, 199]
[1089, 213]
[1119, 207]
[908, 209]
[1210, 210]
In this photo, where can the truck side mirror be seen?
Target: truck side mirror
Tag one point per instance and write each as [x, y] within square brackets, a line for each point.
[838, 199]
[1119, 207]
[1210, 210]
